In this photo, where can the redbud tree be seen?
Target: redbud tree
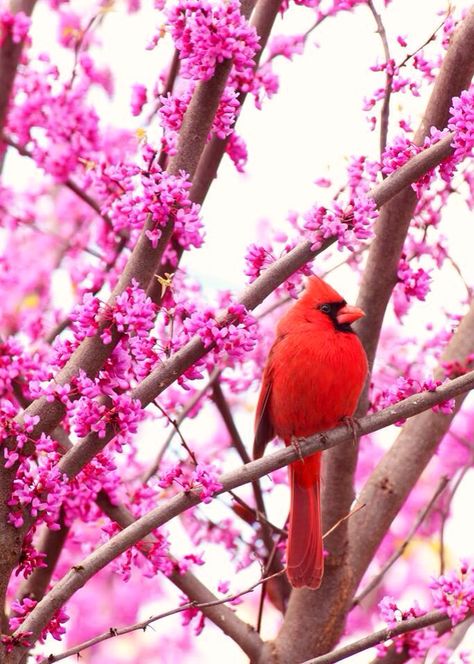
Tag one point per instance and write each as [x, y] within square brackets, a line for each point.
[134, 526]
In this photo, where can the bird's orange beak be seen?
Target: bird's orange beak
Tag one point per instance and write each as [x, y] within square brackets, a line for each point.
[348, 314]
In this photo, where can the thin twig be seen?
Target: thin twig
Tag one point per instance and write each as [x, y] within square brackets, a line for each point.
[114, 631]
[399, 552]
[385, 111]
[445, 512]
[344, 518]
[255, 515]
[431, 38]
[187, 408]
[69, 184]
[175, 425]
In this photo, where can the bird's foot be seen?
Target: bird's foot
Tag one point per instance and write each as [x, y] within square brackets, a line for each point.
[296, 444]
[353, 425]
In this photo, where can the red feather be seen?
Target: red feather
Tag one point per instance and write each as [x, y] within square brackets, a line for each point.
[313, 378]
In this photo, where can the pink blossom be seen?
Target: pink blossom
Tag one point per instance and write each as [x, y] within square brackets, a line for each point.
[16, 25]
[207, 33]
[454, 592]
[462, 124]
[21, 609]
[286, 45]
[139, 98]
[416, 643]
[237, 151]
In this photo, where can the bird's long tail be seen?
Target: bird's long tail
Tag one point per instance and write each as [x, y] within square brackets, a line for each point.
[304, 555]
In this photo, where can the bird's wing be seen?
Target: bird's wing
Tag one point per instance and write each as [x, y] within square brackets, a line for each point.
[263, 425]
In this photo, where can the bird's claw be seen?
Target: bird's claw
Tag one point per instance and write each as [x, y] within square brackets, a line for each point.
[296, 444]
[353, 425]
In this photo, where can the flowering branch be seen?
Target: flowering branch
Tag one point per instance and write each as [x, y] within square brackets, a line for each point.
[222, 616]
[263, 19]
[380, 636]
[81, 573]
[113, 631]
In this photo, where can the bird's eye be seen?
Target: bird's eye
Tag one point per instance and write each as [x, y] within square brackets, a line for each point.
[325, 308]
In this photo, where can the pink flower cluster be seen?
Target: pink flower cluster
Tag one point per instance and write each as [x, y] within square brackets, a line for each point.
[404, 387]
[416, 643]
[122, 415]
[21, 609]
[15, 25]
[132, 314]
[207, 33]
[156, 197]
[205, 476]
[348, 226]
[11, 430]
[54, 121]
[139, 98]
[454, 592]
[411, 284]
[462, 124]
[286, 46]
[39, 486]
[237, 151]
[173, 108]
[232, 338]
[190, 614]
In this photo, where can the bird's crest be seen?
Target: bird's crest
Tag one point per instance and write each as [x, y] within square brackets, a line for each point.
[320, 292]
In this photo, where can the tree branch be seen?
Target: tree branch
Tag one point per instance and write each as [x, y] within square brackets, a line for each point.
[312, 625]
[81, 573]
[222, 616]
[385, 111]
[113, 631]
[382, 635]
[10, 54]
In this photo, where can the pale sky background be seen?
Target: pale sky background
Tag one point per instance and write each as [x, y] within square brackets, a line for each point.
[305, 132]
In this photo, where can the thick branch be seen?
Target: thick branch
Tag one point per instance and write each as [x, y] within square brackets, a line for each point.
[10, 54]
[263, 19]
[81, 573]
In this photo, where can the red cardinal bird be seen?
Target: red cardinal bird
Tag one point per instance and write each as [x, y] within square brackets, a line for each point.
[313, 378]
